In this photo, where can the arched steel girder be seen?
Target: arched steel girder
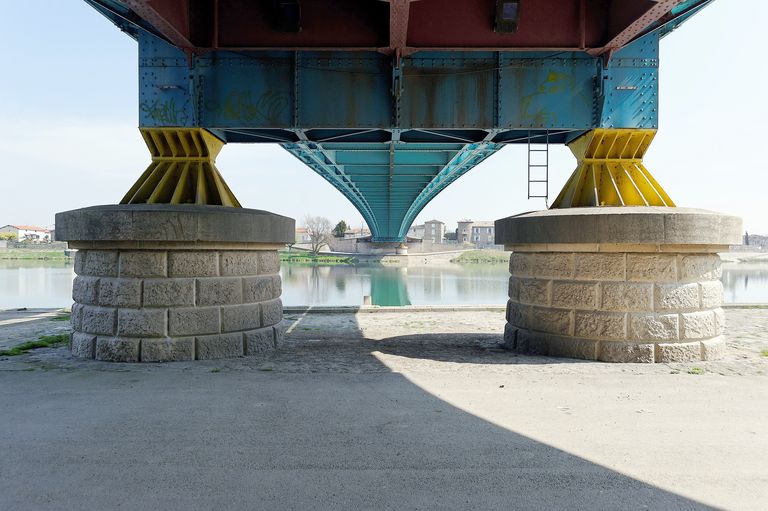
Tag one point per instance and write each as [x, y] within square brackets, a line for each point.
[390, 183]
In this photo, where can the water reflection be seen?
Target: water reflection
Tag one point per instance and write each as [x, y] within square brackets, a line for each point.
[390, 287]
[35, 284]
[415, 285]
[745, 282]
[49, 284]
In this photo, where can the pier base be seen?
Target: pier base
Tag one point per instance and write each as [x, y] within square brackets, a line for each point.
[630, 284]
[175, 282]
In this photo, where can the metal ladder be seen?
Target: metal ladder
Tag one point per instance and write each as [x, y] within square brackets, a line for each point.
[534, 147]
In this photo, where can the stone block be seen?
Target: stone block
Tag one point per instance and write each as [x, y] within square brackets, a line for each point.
[83, 345]
[238, 263]
[193, 263]
[534, 291]
[193, 321]
[271, 312]
[141, 322]
[626, 352]
[533, 343]
[711, 294]
[236, 318]
[168, 349]
[654, 327]
[76, 317]
[269, 262]
[169, 292]
[600, 325]
[219, 346]
[510, 337]
[627, 296]
[219, 291]
[120, 292]
[698, 325]
[259, 342]
[578, 295]
[143, 263]
[117, 349]
[651, 267]
[261, 288]
[678, 352]
[713, 349]
[85, 290]
[719, 321]
[678, 297]
[101, 263]
[80, 262]
[518, 315]
[520, 264]
[554, 265]
[99, 320]
[584, 349]
[280, 330]
[513, 291]
[549, 320]
[599, 267]
[700, 267]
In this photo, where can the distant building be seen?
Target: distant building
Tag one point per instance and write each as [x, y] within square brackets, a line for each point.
[357, 233]
[28, 232]
[482, 234]
[302, 236]
[464, 231]
[434, 230]
[416, 231]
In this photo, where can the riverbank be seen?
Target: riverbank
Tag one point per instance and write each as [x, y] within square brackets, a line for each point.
[25, 254]
[393, 411]
[325, 259]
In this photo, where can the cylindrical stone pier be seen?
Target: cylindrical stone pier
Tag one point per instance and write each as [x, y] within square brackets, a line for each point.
[167, 283]
[617, 284]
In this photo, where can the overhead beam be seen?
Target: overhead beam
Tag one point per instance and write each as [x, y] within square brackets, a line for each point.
[655, 13]
[144, 10]
[398, 26]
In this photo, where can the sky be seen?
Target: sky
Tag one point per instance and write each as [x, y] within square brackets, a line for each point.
[69, 117]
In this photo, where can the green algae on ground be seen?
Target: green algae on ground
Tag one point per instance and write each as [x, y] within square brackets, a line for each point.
[44, 341]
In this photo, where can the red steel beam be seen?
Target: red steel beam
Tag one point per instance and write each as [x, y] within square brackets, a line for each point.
[403, 26]
[634, 29]
[398, 25]
[146, 10]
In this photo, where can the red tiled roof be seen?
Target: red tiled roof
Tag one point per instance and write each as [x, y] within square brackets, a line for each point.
[29, 228]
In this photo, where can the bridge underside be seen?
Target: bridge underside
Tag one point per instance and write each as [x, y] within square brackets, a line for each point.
[393, 101]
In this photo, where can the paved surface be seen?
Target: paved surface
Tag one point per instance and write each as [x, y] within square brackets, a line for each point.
[21, 325]
[356, 412]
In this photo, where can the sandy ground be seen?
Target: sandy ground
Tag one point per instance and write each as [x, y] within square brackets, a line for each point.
[408, 410]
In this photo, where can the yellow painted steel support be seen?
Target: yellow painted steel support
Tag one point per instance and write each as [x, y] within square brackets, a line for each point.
[183, 170]
[610, 171]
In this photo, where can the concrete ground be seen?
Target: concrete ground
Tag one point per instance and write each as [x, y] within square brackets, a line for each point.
[408, 410]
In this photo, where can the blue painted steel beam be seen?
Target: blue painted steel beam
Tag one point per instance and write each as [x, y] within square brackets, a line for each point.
[390, 194]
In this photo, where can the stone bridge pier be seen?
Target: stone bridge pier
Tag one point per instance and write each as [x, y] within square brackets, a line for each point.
[162, 282]
[617, 284]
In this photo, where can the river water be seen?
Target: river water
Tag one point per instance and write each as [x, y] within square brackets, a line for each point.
[48, 284]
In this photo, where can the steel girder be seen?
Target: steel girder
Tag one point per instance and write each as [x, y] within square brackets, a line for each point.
[390, 183]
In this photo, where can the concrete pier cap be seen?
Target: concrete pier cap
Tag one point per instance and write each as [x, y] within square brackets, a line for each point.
[164, 282]
[617, 284]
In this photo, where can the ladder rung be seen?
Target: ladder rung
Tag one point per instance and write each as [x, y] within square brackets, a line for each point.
[539, 150]
[537, 181]
[538, 166]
